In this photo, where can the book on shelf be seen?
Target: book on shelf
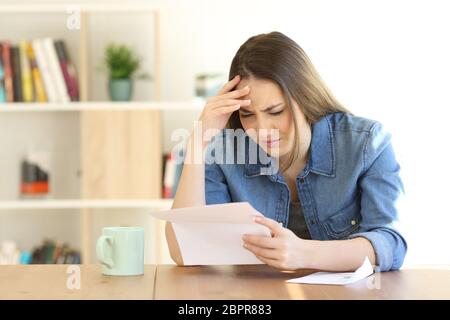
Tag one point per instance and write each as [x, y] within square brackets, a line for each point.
[168, 175]
[68, 70]
[27, 84]
[40, 94]
[7, 71]
[172, 167]
[49, 252]
[2, 78]
[37, 71]
[17, 81]
[55, 70]
[35, 175]
[42, 65]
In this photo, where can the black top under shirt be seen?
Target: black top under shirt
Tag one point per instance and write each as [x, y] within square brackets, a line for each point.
[297, 222]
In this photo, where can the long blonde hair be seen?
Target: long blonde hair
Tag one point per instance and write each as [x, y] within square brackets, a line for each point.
[276, 57]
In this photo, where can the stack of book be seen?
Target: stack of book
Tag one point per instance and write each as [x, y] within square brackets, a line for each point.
[47, 253]
[52, 253]
[37, 71]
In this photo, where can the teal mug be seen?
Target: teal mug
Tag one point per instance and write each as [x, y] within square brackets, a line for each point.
[121, 251]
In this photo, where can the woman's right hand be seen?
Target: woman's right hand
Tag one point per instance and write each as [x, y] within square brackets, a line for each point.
[219, 108]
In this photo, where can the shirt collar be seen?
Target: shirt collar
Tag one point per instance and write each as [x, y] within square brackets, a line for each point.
[321, 157]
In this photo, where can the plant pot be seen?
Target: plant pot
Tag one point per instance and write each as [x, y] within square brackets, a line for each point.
[120, 89]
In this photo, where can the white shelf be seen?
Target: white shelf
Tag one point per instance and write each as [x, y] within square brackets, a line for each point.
[55, 7]
[161, 204]
[101, 105]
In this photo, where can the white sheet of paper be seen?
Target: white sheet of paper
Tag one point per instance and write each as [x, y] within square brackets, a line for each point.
[212, 234]
[337, 278]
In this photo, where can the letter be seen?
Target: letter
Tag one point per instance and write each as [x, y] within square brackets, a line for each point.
[74, 280]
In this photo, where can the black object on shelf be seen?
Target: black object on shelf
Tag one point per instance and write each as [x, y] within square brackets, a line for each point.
[34, 180]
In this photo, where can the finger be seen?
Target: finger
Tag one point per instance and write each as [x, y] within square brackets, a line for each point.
[270, 262]
[273, 225]
[228, 109]
[230, 85]
[230, 102]
[236, 93]
[262, 252]
[232, 94]
[261, 241]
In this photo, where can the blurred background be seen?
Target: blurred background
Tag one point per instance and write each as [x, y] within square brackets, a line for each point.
[101, 143]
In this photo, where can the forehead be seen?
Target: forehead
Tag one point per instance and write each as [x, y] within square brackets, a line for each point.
[262, 92]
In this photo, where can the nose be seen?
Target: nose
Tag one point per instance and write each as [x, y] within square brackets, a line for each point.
[264, 126]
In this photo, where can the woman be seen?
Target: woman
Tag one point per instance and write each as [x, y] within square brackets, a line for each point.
[329, 185]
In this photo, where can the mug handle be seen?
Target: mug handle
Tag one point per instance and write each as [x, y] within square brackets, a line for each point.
[101, 242]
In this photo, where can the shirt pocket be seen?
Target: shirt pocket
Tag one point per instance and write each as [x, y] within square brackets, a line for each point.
[344, 222]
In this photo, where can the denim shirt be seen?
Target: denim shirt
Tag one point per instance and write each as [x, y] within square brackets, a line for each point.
[349, 187]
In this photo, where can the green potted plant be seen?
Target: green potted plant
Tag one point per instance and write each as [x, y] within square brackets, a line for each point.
[122, 65]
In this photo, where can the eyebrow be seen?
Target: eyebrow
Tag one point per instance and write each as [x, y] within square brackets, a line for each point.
[266, 109]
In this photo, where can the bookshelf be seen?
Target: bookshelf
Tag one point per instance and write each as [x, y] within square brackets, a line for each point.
[155, 204]
[194, 105]
[116, 145]
[89, 7]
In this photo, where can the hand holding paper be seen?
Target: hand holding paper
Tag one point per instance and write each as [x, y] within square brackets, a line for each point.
[212, 234]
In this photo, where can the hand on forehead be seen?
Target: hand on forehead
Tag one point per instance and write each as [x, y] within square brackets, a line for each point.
[262, 92]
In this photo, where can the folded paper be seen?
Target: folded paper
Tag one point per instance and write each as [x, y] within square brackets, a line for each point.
[337, 278]
[212, 234]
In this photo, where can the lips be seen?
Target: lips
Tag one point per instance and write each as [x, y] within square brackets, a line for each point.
[272, 142]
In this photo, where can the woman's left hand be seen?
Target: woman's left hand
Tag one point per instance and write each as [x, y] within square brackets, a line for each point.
[284, 250]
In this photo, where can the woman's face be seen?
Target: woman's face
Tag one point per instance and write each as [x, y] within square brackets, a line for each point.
[268, 120]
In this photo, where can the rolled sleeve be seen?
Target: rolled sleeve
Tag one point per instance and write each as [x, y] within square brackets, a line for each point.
[389, 254]
[381, 189]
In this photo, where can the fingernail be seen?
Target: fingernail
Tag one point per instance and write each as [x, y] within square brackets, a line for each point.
[256, 219]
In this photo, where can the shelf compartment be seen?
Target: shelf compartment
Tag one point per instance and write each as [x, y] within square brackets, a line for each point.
[85, 204]
[99, 106]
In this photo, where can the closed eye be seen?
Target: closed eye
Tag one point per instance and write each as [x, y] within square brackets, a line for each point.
[276, 113]
[246, 115]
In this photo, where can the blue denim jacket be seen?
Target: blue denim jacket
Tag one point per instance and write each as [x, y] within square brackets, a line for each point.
[349, 188]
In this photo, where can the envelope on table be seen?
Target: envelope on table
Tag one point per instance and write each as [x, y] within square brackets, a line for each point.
[337, 278]
[212, 234]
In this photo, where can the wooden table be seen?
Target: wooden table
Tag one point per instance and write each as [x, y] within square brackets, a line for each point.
[220, 282]
[51, 282]
[262, 282]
